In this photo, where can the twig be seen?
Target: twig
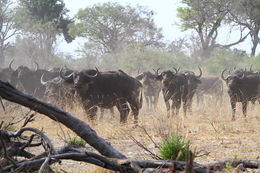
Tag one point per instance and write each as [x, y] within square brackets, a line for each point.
[5, 151]
[155, 144]
[154, 156]
[28, 119]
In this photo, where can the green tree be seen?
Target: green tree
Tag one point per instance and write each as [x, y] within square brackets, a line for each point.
[205, 17]
[246, 13]
[7, 29]
[221, 59]
[111, 25]
[42, 22]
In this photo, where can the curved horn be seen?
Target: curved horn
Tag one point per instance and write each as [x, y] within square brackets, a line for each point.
[37, 66]
[176, 71]
[42, 81]
[156, 71]
[93, 76]
[97, 70]
[222, 75]
[200, 73]
[63, 76]
[10, 65]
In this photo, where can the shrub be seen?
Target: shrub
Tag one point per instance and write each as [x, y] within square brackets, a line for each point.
[78, 142]
[173, 146]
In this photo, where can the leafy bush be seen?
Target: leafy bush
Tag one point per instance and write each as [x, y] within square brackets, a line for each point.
[173, 147]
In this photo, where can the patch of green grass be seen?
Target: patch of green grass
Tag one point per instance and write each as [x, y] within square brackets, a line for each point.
[76, 141]
[10, 128]
[173, 148]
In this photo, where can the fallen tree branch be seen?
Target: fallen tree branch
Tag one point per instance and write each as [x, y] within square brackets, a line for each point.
[82, 129]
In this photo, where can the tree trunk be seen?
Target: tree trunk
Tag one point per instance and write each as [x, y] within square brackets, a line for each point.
[255, 40]
[82, 129]
[2, 57]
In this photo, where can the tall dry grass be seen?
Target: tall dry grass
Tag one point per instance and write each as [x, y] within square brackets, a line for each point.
[209, 129]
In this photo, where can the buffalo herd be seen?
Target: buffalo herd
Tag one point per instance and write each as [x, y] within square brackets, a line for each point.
[94, 89]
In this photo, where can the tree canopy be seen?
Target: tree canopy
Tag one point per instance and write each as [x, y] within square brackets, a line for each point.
[205, 18]
[111, 25]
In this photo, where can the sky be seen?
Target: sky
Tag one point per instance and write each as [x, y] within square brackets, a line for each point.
[164, 17]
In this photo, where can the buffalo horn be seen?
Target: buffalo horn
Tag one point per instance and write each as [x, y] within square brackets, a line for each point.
[176, 70]
[222, 75]
[200, 73]
[37, 66]
[156, 71]
[43, 82]
[63, 76]
[10, 65]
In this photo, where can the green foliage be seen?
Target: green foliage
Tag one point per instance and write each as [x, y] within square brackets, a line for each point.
[221, 59]
[77, 142]
[135, 59]
[112, 25]
[42, 16]
[10, 128]
[173, 147]
[255, 61]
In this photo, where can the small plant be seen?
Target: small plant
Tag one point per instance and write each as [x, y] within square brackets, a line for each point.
[174, 148]
[76, 141]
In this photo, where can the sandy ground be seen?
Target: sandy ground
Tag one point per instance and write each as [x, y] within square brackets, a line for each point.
[209, 129]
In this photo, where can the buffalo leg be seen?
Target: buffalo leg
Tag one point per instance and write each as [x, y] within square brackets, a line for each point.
[112, 112]
[156, 97]
[168, 107]
[233, 107]
[123, 110]
[185, 106]
[92, 113]
[244, 108]
[135, 109]
[147, 102]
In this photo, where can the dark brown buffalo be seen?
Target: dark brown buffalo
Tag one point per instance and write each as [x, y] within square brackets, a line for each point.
[59, 91]
[107, 89]
[151, 87]
[193, 81]
[242, 87]
[30, 79]
[212, 86]
[174, 88]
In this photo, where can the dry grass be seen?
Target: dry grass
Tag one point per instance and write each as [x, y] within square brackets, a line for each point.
[208, 129]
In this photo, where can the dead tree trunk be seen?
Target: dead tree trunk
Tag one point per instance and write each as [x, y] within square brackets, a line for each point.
[82, 129]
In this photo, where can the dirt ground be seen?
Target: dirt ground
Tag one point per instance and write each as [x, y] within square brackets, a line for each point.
[209, 130]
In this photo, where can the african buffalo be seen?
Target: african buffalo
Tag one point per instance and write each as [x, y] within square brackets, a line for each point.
[212, 86]
[175, 88]
[151, 88]
[242, 87]
[59, 91]
[30, 79]
[193, 81]
[107, 89]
